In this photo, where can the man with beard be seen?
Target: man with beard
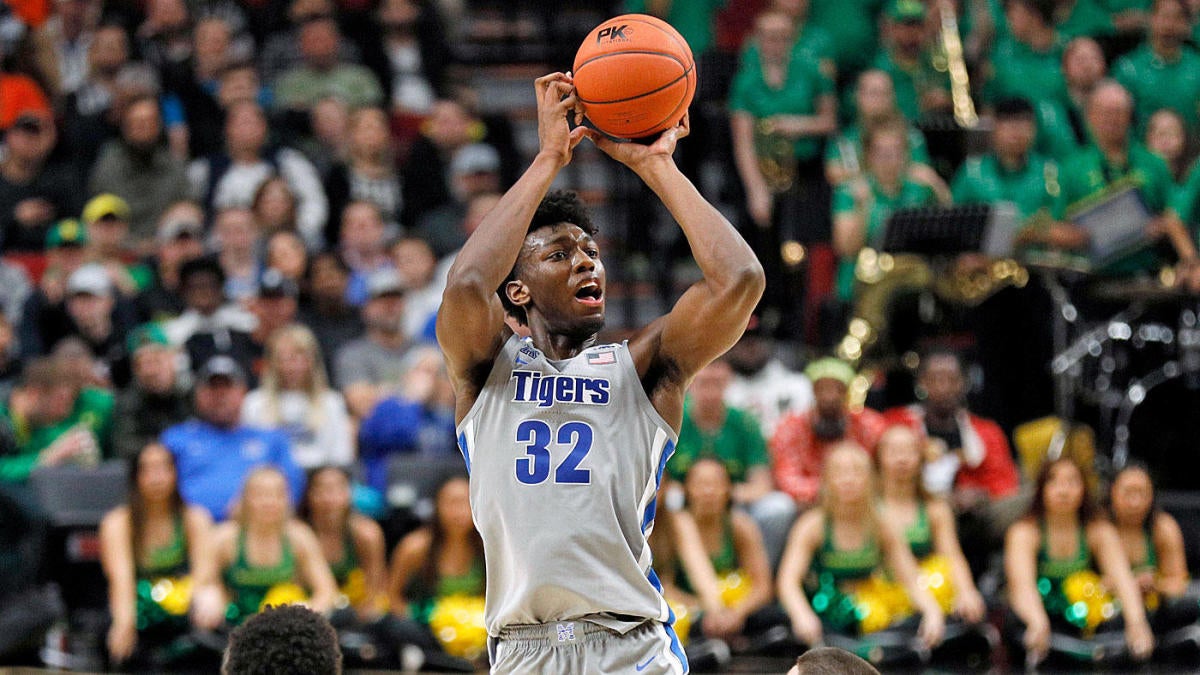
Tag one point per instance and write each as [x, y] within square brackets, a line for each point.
[140, 169]
[801, 440]
[763, 384]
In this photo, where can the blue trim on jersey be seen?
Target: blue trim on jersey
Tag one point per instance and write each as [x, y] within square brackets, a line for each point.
[651, 508]
[676, 647]
[462, 447]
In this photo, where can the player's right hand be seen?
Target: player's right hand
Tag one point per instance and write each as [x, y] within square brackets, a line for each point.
[555, 101]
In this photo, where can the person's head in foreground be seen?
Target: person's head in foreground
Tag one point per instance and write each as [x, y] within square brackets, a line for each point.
[831, 661]
[283, 640]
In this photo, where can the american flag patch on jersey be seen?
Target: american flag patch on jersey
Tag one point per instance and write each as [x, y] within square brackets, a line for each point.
[602, 359]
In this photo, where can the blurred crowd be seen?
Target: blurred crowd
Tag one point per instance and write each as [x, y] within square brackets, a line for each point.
[225, 227]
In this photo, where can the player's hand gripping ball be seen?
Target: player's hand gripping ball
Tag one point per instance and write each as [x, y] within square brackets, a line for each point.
[634, 76]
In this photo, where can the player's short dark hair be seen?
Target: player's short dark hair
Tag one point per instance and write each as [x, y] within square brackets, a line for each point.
[1014, 108]
[284, 640]
[559, 206]
[832, 661]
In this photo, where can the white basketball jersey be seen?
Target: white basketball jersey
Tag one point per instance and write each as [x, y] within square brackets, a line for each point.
[565, 459]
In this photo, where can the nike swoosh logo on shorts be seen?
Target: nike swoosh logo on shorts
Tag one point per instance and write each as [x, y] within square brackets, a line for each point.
[642, 666]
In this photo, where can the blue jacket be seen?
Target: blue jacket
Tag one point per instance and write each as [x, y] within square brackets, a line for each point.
[397, 425]
[213, 462]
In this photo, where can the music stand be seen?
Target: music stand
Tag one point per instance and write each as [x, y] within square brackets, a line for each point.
[1116, 225]
[949, 230]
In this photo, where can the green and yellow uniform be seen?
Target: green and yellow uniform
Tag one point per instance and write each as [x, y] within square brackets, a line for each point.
[93, 410]
[1157, 83]
[249, 584]
[424, 599]
[693, 19]
[881, 205]
[835, 575]
[1088, 175]
[851, 139]
[167, 562]
[738, 445]
[912, 81]
[724, 560]
[799, 95]
[1032, 187]
[919, 534]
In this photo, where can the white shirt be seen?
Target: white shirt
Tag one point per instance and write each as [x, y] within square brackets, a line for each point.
[770, 394]
[318, 437]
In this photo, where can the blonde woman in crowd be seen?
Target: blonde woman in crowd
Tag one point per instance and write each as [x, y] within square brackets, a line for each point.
[295, 398]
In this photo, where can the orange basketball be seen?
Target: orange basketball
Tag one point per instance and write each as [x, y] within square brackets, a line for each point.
[635, 76]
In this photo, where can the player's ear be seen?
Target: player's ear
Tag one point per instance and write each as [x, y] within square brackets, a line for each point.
[517, 292]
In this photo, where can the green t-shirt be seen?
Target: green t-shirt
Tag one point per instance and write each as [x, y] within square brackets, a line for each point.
[738, 444]
[813, 45]
[1020, 71]
[882, 205]
[1087, 174]
[853, 26]
[1186, 200]
[1087, 17]
[694, 19]
[799, 95]
[93, 409]
[851, 138]
[1055, 135]
[911, 83]
[983, 180]
[1156, 83]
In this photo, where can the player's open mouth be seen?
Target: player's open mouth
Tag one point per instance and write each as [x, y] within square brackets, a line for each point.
[590, 294]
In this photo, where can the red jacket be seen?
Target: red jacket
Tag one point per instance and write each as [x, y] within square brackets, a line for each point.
[987, 461]
[797, 454]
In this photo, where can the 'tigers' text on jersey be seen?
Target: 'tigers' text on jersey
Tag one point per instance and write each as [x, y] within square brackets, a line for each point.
[546, 390]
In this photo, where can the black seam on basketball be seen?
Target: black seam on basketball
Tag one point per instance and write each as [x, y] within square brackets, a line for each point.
[647, 93]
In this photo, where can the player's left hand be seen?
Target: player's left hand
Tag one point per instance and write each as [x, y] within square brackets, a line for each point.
[637, 156]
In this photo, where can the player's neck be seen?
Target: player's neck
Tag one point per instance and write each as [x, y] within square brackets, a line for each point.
[559, 346]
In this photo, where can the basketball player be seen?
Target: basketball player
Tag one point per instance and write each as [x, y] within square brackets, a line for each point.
[565, 439]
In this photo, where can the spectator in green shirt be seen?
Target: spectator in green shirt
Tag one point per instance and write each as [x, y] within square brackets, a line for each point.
[1165, 71]
[1166, 136]
[907, 58]
[1012, 171]
[852, 25]
[1027, 63]
[1113, 158]
[1062, 129]
[813, 43]
[51, 420]
[322, 75]
[861, 207]
[1083, 17]
[713, 430]
[781, 109]
[875, 101]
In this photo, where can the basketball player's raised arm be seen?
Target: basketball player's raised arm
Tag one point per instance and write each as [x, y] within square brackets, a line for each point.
[713, 313]
[470, 323]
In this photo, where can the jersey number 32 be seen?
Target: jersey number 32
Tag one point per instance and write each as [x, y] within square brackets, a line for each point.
[536, 436]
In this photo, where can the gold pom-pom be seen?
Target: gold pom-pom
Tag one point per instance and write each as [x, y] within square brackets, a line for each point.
[934, 577]
[734, 587]
[457, 621]
[683, 621]
[173, 594]
[354, 589]
[879, 603]
[1090, 602]
[286, 593]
